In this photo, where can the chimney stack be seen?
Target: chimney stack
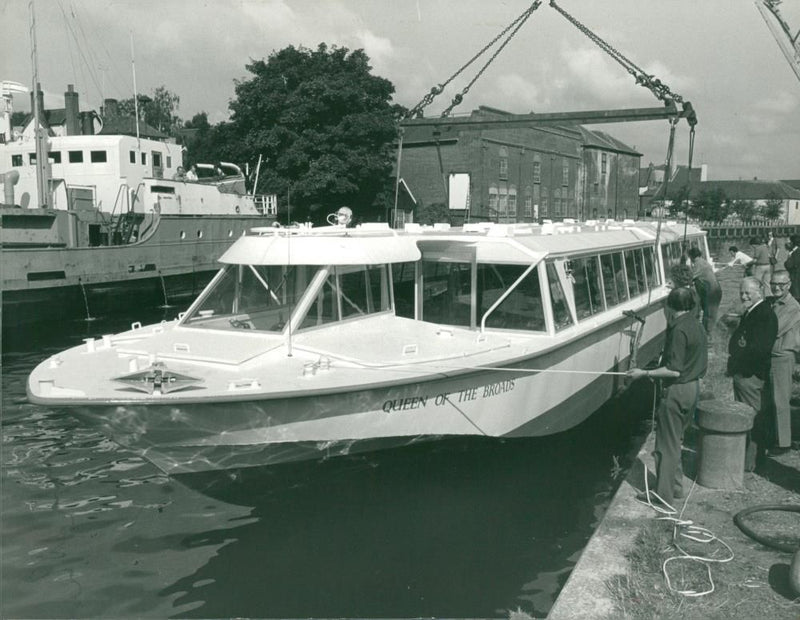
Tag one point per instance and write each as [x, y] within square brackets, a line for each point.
[71, 111]
[110, 109]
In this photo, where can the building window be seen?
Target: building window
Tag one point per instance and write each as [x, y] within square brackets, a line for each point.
[493, 198]
[537, 171]
[503, 163]
[527, 209]
[502, 204]
[32, 159]
[144, 159]
[565, 174]
[603, 163]
[98, 157]
[544, 203]
[557, 202]
[76, 157]
[512, 201]
[16, 161]
[55, 157]
[132, 156]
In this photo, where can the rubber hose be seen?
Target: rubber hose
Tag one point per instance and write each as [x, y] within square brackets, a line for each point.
[738, 519]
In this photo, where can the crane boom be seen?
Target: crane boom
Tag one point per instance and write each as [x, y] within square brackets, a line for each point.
[789, 44]
[589, 117]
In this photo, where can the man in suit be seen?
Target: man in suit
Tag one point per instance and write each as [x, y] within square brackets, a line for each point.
[749, 356]
[787, 345]
[792, 264]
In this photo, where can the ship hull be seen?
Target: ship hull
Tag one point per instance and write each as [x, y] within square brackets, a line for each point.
[531, 395]
[169, 267]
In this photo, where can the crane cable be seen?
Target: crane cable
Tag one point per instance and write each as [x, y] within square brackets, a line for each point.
[417, 110]
[653, 84]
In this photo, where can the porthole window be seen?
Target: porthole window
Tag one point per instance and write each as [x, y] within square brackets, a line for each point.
[183, 235]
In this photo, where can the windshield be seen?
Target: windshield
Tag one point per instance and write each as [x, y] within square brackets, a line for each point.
[262, 298]
[251, 297]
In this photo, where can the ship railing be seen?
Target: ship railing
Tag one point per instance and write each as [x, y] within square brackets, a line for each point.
[266, 204]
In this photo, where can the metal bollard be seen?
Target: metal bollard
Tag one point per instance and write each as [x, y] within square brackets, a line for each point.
[723, 439]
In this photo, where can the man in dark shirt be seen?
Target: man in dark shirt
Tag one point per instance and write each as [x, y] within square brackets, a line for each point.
[683, 364]
[749, 356]
[792, 264]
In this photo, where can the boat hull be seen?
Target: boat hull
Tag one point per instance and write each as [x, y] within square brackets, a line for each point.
[529, 395]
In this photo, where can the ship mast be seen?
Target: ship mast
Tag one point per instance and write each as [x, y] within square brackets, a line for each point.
[44, 198]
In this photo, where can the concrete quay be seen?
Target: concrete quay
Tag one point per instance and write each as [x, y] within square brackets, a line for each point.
[586, 594]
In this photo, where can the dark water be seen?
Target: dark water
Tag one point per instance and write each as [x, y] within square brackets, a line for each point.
[468, 527]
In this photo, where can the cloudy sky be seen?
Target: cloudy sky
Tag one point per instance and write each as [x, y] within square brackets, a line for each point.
[718, 54]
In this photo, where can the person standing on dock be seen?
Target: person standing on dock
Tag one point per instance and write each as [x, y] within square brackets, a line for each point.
[792, 264]
[787, 345]
[708, 289]
[683, 364]
[761, 264]
[749, 356]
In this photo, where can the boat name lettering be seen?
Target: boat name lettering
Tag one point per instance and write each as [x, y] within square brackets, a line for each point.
[461, 396]
[402, 404]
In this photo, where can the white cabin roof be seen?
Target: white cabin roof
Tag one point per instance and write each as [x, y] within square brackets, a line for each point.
[327, 246]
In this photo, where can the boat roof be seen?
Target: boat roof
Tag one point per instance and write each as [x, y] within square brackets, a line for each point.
[330, 245]
[481, 242]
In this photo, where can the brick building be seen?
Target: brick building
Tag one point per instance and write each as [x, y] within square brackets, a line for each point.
[520, 174]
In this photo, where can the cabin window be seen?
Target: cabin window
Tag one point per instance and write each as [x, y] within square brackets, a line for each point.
[16, 160]
[650, 270]
[156, 159]
[144, 159]
[587, 286]
[503, 163]
[32, 159]
[673, 253]
[132, 156]
[446, 293]
[634, 267]
[169, 161]
[98, 157]
[403, 280]
[614, 284]
[537, 171]
[521, 308]
[558, 301]
[75, 157]
[362, 290]
[55, 157]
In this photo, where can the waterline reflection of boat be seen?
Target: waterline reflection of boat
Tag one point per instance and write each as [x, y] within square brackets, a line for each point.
[317, 342]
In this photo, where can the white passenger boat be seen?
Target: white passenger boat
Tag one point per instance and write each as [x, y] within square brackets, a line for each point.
[310, 342]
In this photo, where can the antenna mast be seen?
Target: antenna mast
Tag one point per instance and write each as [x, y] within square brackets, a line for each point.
[40, 137]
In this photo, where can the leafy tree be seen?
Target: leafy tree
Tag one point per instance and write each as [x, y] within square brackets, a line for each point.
[712, 205]
[433, 214]
[158, 111]
[772, 208]
[745, 209]
[679, 200]
[324, 126]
